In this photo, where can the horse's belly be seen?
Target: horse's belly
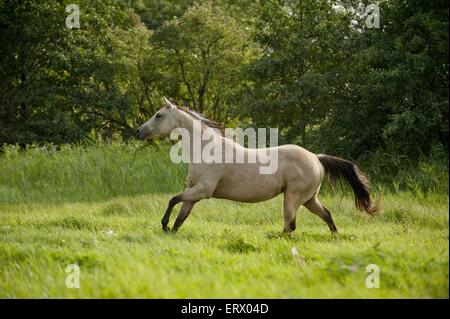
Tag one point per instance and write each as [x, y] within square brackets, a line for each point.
[248, 191]
[245, 198]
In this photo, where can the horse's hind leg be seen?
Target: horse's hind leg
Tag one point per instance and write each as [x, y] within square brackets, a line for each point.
[316, 207]
[183, 214]
[292, 202]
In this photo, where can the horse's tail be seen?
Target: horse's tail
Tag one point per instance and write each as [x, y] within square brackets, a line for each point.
[339, 168]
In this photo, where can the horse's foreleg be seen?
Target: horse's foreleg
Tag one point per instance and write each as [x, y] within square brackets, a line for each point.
[183, 214]
[192, 194]
[165, 220]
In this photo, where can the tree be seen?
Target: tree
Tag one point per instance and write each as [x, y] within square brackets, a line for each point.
[59, 85]
[154, 13]
[292, 83]
[395, 96]
[205, 50]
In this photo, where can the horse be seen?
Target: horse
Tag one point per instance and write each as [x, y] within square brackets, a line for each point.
[299, 174]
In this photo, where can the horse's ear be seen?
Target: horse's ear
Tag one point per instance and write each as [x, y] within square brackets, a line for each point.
[169, 104]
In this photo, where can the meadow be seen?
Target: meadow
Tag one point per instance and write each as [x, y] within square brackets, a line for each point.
[99, 206]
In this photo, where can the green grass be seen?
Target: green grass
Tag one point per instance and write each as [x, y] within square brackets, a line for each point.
[100, 207]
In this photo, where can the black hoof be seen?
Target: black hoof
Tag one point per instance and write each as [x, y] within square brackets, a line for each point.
[292, 226]
[165, 228]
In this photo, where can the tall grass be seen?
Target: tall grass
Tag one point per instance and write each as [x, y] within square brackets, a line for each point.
[421, 175]
[100, 171]
[85, 173]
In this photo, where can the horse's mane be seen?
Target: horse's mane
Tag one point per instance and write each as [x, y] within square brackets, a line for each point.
[204, 120]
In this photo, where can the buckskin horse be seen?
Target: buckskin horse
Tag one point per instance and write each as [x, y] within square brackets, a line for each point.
[299, 174]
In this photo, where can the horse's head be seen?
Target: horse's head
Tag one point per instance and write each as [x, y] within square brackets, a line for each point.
[160, 124]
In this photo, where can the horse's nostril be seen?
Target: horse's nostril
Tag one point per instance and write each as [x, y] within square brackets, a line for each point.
[137, 131]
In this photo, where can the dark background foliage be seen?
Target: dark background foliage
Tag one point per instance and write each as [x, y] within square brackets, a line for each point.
[309, 67]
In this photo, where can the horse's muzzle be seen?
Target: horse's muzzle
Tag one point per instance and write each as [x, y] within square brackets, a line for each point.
[139, 134]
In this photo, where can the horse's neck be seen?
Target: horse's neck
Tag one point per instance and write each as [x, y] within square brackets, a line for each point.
[197, 133]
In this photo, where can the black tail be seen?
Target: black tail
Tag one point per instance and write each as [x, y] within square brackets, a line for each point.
[339, 168]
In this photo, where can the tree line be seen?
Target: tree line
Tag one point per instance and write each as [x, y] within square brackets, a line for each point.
[312, 68]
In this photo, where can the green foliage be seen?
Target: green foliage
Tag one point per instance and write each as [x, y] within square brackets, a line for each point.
[395, 98]
[60, 84]
[155, 12]
[205, 50]
[293, 82]
[353, 90]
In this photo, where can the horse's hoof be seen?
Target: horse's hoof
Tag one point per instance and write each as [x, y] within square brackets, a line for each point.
[166, 228]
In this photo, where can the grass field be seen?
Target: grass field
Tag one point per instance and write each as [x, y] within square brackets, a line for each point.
[100, 207]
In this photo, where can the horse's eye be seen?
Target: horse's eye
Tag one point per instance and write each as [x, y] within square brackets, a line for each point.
[158, 115]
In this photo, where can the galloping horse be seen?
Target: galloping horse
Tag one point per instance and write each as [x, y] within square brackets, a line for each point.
[299, 175]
